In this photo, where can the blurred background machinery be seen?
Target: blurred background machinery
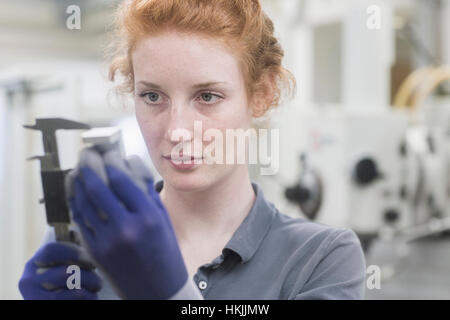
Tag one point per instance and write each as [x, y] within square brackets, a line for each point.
[364, 145]
[369, 148]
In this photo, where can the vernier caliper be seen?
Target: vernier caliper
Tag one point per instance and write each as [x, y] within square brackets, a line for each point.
[53, 176]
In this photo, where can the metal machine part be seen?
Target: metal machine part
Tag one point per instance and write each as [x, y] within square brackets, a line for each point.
[53, 176]
[307, 193]
[104, 138]
[425, 176]
[366, 171]
[354, 165]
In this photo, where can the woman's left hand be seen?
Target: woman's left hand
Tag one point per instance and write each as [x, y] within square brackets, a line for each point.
[128, 233]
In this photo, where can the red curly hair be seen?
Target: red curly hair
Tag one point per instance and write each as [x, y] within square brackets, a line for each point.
[240, 24]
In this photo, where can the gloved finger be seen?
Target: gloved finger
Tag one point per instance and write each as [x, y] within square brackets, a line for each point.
[58, 253]
[91, 157]
[75, 294]
[86, 208]
[155, 196]
[32, 290]
[100, 195]
[58, 277]
[87, 233]
[115, 159]
[70, 198]
[39, 293]
[127, 177]
[138, 170]
[126, 190]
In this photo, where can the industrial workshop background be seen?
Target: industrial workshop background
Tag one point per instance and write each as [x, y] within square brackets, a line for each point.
[364, 145]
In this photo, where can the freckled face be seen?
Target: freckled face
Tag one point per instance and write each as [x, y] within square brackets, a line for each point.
[180, 79]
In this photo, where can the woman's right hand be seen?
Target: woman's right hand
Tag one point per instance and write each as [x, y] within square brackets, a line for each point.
[46, 274]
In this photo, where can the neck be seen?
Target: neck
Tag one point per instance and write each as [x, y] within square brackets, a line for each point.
[213, 213]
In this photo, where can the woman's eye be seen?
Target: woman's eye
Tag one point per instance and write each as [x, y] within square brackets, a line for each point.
[209, 97]
[152, 96]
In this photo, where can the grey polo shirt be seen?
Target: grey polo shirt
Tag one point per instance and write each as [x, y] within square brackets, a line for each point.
[274, 256]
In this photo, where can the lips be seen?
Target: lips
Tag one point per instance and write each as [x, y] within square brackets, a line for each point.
[182, 158]
[183, 162]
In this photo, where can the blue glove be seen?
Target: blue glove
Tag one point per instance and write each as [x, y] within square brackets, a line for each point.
[127, 231]
[45, 275]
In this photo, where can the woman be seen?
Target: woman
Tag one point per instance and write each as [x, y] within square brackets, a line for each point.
[206, 230]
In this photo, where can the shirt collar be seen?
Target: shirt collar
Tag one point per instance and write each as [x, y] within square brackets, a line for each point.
[248, 236]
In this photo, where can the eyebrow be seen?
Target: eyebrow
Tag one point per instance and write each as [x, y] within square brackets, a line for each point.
[207, 84]
[196, 86]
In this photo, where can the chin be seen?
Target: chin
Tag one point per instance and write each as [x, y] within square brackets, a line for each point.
[195, 180]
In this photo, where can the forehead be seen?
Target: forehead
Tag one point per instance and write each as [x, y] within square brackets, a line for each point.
[185, 56]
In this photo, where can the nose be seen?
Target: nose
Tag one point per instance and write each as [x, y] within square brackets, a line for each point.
[180, 125]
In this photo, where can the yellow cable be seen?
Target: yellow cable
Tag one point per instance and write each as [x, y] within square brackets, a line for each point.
[438, 76]
[409, 85]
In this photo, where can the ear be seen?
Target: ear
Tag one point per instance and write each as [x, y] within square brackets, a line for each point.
[263, 96]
